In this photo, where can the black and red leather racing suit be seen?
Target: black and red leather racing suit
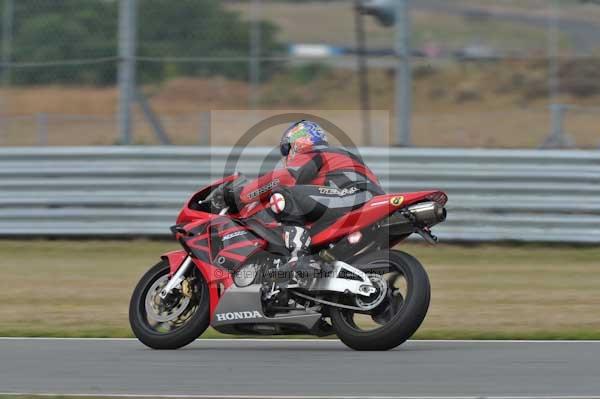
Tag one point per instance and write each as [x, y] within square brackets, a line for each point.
[318, 186]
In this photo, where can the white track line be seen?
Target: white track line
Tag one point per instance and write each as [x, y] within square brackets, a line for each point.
[133, 395]
[479, 341]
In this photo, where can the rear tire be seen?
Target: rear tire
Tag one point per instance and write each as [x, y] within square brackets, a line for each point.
[405, 322]
[183, 334]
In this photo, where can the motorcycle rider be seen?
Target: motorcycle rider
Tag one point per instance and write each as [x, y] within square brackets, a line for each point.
[318, 184]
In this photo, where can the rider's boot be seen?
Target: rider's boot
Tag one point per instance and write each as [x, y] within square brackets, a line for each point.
[301, 264]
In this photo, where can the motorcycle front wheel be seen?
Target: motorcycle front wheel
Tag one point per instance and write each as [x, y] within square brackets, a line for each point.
[175, 321]
[404, 301]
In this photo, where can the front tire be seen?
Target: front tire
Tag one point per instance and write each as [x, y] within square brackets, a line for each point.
[407, 315]
[174, 324]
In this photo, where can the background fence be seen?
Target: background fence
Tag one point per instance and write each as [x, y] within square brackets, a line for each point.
[484, 73]
[520, 195]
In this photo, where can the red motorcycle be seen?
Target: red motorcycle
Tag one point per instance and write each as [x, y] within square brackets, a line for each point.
[370, 295]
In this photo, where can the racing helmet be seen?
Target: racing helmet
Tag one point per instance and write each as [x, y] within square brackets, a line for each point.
[301, 137]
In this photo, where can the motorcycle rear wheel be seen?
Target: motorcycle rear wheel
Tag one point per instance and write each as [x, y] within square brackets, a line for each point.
[168, 327]
[408, 312]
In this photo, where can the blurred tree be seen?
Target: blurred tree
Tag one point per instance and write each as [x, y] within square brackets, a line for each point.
[56, 30]
[198, 28]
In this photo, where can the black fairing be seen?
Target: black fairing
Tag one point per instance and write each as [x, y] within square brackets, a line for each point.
[232, 243]
[222, 242]
[195, 240]
[274, 237]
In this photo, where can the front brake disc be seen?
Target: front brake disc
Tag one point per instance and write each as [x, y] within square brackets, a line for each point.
[157, 311]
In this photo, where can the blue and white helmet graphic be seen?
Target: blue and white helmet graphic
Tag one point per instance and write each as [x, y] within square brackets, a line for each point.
[302, 137]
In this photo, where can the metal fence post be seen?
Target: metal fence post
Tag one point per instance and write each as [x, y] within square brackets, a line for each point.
[255, 50]
[41, 122]
[403, 75]
[204, 129]
[152, 118]
[7, 37]
[552, 50]
[126, 74]
[558, 138]
[363, 73]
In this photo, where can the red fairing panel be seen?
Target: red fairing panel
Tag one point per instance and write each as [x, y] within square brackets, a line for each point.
[175, 259]
[214, 276]
[410, 198]
[250, 210]
[373, 211]
[187, 215]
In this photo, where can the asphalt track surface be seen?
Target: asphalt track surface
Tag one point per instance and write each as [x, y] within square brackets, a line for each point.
[296, 368]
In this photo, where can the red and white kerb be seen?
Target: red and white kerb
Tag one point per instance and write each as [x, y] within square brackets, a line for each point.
[277, 202]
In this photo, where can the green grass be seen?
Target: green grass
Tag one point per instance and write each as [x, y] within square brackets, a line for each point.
[82, 289]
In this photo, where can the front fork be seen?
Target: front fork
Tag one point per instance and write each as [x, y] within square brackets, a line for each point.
[217, 280]
[177, 278]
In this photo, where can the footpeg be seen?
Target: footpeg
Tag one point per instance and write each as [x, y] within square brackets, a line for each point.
[427, 235]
